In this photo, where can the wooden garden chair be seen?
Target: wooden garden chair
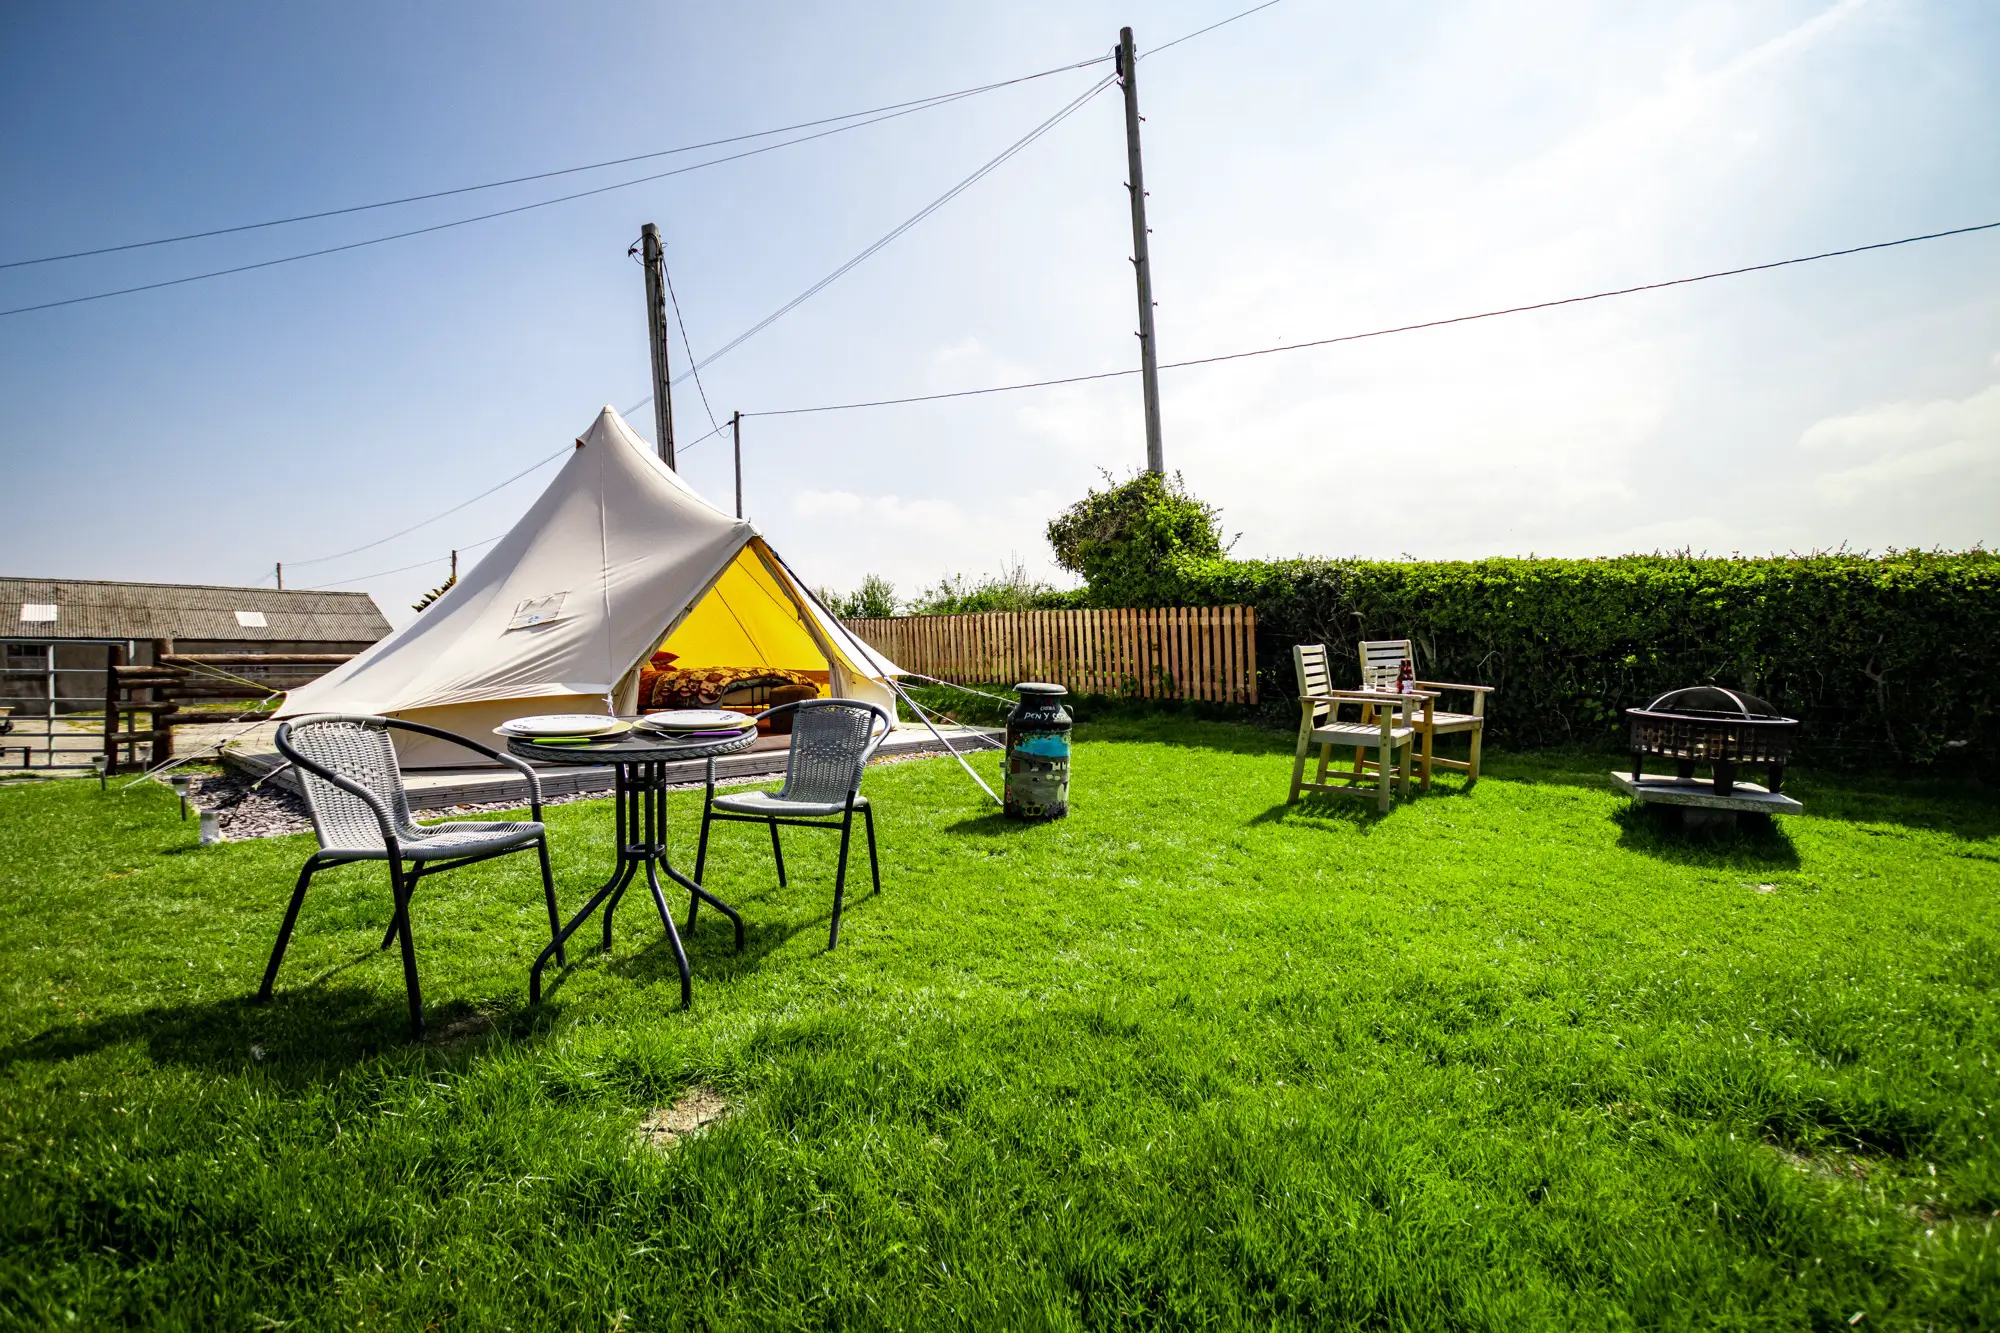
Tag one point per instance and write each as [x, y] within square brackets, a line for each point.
[1387, 729]
[1382, 661]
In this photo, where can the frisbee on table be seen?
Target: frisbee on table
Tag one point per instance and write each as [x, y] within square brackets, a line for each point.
[696, 720]
[558, 726]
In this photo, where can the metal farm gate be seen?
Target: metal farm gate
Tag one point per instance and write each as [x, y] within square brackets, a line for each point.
[56, 708]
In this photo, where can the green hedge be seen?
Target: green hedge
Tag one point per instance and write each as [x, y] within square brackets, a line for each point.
[1897, 655]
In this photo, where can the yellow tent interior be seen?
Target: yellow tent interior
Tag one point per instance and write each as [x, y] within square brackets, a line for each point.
[747, 618]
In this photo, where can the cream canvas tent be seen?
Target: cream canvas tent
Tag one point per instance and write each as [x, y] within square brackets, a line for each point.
[617, 558]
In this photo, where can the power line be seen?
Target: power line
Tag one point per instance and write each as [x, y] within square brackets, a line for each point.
[404, 569]
[922, 213]
[382, 541]
[687, 346]
[320, 560]
[919, 104]
[1210, 28]
[1180, 365]
[1378, 333]
[892, 112]
[991, 165]
[463, 222]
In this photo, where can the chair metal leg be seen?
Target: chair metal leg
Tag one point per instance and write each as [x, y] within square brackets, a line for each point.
[839, 880]
[549, 892]
[777, 854]
[700, 864]
[874, 866]
[399, 885]
[285, 930]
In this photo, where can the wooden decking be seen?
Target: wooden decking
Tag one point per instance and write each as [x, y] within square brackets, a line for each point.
[473, 786]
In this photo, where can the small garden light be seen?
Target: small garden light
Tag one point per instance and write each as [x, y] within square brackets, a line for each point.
[180, 783]
[97, 767]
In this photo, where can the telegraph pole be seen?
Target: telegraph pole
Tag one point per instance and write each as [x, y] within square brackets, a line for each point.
[654, 257]
[736, 436]
[281, 576]
[1149, 357]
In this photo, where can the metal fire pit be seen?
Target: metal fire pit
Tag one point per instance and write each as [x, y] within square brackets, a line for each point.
[1709, 725]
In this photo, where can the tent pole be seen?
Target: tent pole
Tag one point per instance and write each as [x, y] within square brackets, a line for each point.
[736, 434]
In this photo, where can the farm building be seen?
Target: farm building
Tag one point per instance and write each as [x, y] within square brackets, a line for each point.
[58, 633]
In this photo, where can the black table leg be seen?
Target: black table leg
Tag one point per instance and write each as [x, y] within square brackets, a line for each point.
[620, 877]
[673, 936]
[640, 820]
[625, 819]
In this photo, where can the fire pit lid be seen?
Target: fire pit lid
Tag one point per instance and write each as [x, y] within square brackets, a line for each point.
[1713, 701]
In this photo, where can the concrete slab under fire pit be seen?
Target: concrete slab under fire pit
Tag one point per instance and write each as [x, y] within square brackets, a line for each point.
[1700, 793]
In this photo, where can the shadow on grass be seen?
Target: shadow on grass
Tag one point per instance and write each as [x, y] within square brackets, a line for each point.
[1757, 842]
[1317, 811]
[1907, 800]
[710, 947]
[995, 825]
[1192, 732]
[302, 1037]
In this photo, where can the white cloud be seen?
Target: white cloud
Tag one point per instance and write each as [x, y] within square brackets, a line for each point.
[1912, 473]
[930, 517]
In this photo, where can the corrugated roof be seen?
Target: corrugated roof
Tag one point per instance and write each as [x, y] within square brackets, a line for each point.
[94, 609]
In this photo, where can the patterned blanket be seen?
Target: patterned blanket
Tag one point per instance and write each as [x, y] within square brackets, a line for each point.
[707, 687]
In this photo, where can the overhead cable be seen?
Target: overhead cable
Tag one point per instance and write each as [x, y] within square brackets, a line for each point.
[1376, 333]
[404, 569]
[918, 104]
[383, 541]
[563, 452]
[933, 206]
[1197, 361]
[688, 347]
[1210, 28]
[462, 222]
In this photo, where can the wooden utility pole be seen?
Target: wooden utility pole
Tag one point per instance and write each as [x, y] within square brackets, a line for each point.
[736, 436]
[1149, 357]
[281, 576]
[654, 257]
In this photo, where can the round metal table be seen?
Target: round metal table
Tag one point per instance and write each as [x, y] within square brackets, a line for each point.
[640, 809]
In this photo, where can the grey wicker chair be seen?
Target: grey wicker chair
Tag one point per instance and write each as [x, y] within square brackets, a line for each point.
[347, 768]
[832, 740]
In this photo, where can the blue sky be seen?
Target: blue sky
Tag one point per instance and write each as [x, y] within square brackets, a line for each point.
[1315, 169]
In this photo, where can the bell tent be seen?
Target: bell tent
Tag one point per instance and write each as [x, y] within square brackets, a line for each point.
[618, 562]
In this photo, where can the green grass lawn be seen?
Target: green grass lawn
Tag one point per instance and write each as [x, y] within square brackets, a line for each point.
[1505, 1059]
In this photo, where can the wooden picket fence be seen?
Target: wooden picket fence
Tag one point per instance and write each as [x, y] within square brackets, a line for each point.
[1170, 652]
